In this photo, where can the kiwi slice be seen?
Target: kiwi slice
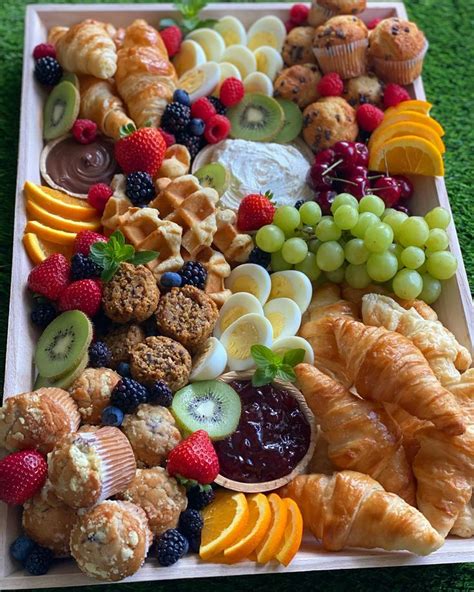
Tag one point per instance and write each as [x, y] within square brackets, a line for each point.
[208, 405]
[293, 123]
[257, 117]
[60, 110]
[214, 175]
[63, 344]
[65, 381]
[72, 78]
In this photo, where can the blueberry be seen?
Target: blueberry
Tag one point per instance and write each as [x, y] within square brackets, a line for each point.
[22, 547]
[181, 96]
[123, 368]
[196, 126]
[112, 416]
[171, 280]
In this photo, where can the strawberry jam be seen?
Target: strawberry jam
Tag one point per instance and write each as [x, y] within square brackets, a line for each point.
[272, 437]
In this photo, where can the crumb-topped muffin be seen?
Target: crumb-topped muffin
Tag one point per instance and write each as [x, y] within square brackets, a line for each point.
[363, 89]
[298, 47]
[327, 121]
[322, 10]
[111, 540]
[159, 496]
[92, 392]
[298, 84]
[121, 340]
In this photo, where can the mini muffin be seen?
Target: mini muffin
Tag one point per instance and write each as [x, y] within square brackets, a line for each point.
[49, 521]
[340, 45]
[37, 419]
[159, 496]
[363, 89]
[328, 121]
[396, 50]
[92, 392]
[298, 84]
[131, 295]
[322, 10]
[152, 433]
[161, 358]
[111, 541]
[121, 340]
[298, 47]
[87, 467]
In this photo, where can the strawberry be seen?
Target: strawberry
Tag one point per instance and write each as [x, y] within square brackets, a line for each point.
[255, 211]
[50, 277]
[22, 475]
[83, 295]
[194, 459]
[140, 150]
[85, 239]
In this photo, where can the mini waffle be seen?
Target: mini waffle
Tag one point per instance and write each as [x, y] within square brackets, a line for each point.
[235, 245]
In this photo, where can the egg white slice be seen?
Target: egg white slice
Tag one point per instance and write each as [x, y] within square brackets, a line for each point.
[291, 284]
[251, 329]
[280, 346]
[211, 42]
[235, 307]
[210, 361]
[268, 30]
[257, 82]
[250, 278]
[269, 61]
[232, 30]
[284, 315]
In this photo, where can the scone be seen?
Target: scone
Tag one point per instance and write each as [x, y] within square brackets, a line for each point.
[92, 392]
[121, 340]
[322, 10]
[298, 84]
[327, 121]
[298, 47]
[363, 89]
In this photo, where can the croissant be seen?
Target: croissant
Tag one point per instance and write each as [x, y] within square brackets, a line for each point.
[86, 48]
[409, 426]
[464, 525]
[350, 509]
[320, 461]
[145, 77]
[361, 435]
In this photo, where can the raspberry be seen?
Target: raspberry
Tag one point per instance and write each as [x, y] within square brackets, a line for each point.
[176, 117]
[203, 109]
[84, 295]
[98, 196]
[170, 547]
[83, 268]
[218, 106]
[193, 274]
[369, 117]
[48, 71]
[373, 23]
[160, 393]
[50, 277]
[199, 497]
[168, 138]
[43, 314]
[232, 92]
[217, 129]
[44, 50]
[172, 38]
[394, 94]
[85, 239]
[289, 26]
[128, 394]
[299, 14]
[84, 131]
[100, 355]
[330, 85]
[139, 188]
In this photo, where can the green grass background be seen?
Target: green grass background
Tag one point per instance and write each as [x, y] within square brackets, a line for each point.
[449, 83]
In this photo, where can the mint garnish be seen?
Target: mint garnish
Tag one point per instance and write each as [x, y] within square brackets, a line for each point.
[270, 365]
[189, 10]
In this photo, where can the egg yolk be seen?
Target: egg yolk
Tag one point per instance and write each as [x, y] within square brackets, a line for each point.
[243, 337]
[277, 321]
[245, 283]
[281, 288]
[232, 315]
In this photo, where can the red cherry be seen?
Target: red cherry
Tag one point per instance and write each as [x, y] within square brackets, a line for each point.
[388, 189]
[401, 208]
[358, 186]
[317, 179]
[327, 156]
[325, 199]
[362, 154]
[406, 186]
[350, 172]
[345, 150]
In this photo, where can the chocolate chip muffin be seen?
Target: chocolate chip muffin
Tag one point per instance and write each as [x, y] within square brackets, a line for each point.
[298, 47]
[298, 84]
[363, 89]
[121, 340]
[328, 121]
[131, 295]
[322, 10]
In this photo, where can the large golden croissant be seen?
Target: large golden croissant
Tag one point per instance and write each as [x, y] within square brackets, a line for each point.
[409, 426]
[361, 435]
[464, 525]
[145, 77]
[350, 509]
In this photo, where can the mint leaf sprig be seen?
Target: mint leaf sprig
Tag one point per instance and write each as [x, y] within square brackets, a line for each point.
[111, 254]
[270, 365]
[189, 11]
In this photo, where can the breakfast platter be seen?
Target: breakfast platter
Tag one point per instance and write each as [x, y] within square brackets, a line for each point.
[241, 333]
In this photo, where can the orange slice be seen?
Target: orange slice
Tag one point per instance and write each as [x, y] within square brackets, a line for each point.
[260, 516]
[413, 105]
[412, 116]
[52, 235]
[405, 128]
[407, 154]
[38, 250]
[38, 213]
[271, 542]
[59, 203]
[224, 522]
[293, 533]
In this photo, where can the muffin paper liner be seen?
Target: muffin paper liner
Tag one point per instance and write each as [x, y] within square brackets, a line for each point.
[64, 399]
[348, 60]
[400, 71]
[322, 11]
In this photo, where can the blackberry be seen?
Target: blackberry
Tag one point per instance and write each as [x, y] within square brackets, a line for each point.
[299, 203]
[83, 268]
[43, 314]
[193, 143]
[259, 257]
[48, 71]
[170, 547]
[176, 117]
[218, 106]
[22, 547]
[128, 394]
[123, 368]
[39, 561]
[190, 523]
[195, 543]
[193, 274]
[140, 189]
[199, 497]
[112, 416]
[160, 393]
[100, 355]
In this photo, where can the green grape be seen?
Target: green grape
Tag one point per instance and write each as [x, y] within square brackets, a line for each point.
[441, 265]
[422, 269]
[313, 245]
[344, 199]
[270, 238]
[378, 237]
[372, 203]
[431, 289]
[309, 267]
[413, 232]
[355, 251]
[381, 267]
[327, 230]
[366, 219]
[310, 213]
[330, 256]
[412, 257]
[336, 276]
[357, 276]
[395, 220]
[438, 218]
[437, 240]
[388, 212]
[287, 218]
[346, 217]
[278, 263]
[294, 250]
[397, 250]
[407, 284]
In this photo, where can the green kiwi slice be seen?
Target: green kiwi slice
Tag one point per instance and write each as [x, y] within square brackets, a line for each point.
[208, 405]
[65, 381]
[72, 78]
[257, 118]
[63, 344]
[214, 175]
[60, 110]
[293, 123]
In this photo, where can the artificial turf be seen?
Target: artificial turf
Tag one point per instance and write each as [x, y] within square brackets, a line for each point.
[449, 83]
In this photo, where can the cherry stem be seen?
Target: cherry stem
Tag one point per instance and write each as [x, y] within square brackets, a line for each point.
[375, 177]
[333, 166]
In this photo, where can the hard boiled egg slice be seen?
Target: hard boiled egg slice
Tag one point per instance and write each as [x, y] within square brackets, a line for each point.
[292, 284]
[209, 361]
[250, 278]
[211, 42]
[268, 30]
[251, 329]
[235, 307]
[201, 80]
[257, 82]
[284, 315]
[280, 346]
[232, 30]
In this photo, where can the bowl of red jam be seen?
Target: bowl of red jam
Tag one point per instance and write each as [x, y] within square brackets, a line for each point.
[274, 440]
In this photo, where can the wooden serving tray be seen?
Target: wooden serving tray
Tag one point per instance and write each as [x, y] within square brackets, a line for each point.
[454, 307]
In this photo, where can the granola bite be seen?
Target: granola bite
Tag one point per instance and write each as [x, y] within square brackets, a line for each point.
[159, 496]
[152, 433]
[92, 392]
[131, 295]
[328, 121]
[298, 84]
[121, 340]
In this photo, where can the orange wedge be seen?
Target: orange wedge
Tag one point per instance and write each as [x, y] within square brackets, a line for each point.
[38, 250]
[413, 105]
[36, 212]
[271, 542]
[59, 203]
[413, 117]
[49, 234]
[225, 521]
[405, 128]
[407, 154]
[293, 533]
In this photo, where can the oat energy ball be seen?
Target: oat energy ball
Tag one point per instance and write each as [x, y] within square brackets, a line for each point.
[152, 433]
[298, 47]
[111, 540]
[131, 295]
[121, 340]
[328, 121]
[298, 84]
[161, 358]
[92, 392]
[159, 496]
